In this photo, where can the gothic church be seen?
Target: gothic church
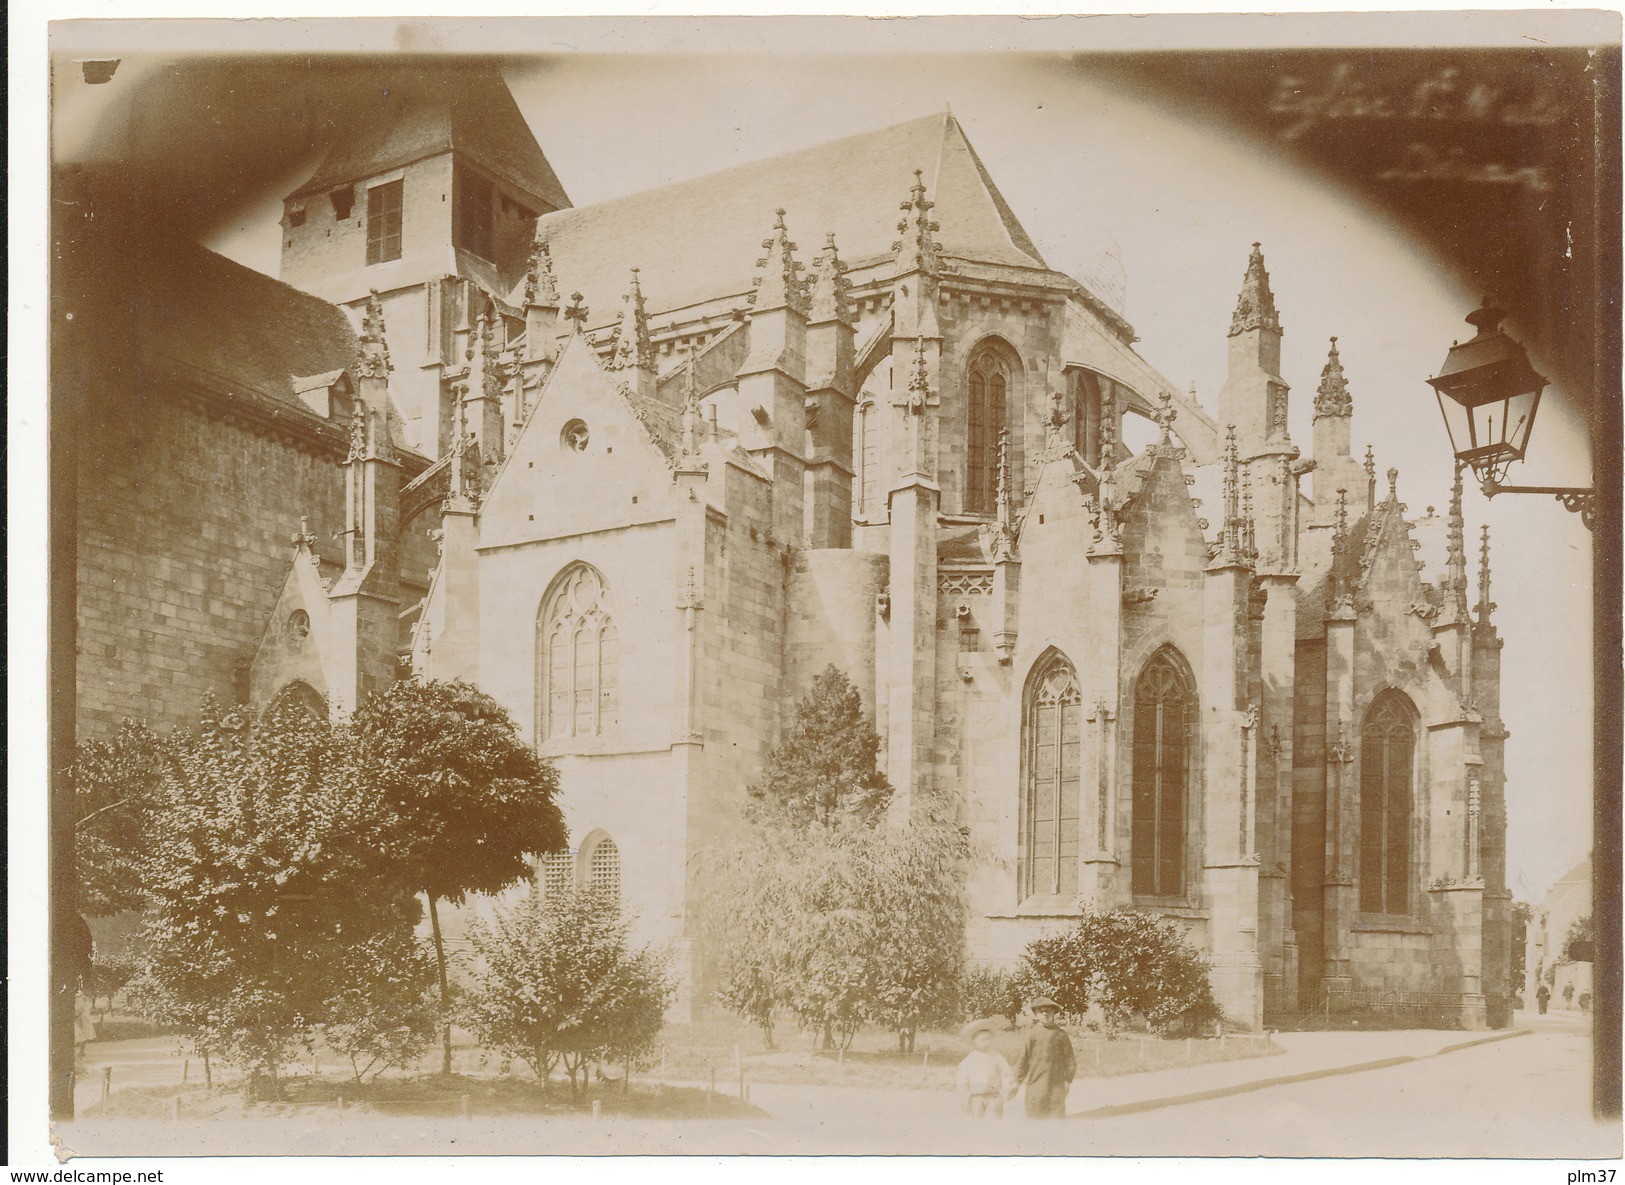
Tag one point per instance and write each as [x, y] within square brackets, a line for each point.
[642, 469]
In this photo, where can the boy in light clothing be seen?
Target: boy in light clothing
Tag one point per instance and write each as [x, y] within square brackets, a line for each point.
[985, 1078]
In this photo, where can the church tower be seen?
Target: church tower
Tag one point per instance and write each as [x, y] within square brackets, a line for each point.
[430, 196]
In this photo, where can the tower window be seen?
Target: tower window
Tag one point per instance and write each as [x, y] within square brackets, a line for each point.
[342, 199]
[384, 222]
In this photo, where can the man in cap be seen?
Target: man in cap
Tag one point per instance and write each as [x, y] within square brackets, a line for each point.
[1047, 1064]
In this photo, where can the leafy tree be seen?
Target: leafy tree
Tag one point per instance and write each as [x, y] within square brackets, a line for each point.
[109, 976]
[1580, 943]
[558, 983]
[114, 784]
[264, 873]
[474, 803]
[382, 1013]
[841, 926]
[820, 911]
[915, 892]
[1127, 962]
[824, 770]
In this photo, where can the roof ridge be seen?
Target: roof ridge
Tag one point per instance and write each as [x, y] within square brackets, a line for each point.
[755, 163]
[1008, 222]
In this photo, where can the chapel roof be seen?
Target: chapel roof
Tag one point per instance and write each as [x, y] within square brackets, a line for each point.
[424, 111]
[699, 239]
[184, 303]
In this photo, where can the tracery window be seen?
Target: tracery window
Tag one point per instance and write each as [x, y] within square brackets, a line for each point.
[578, 656]
[1164, 718]
[604, 868]
[1387, 757]
[1049, 806]
[988, 384]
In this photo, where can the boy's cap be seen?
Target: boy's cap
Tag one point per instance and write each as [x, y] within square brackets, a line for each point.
[1044, 1002]
[984, 1025]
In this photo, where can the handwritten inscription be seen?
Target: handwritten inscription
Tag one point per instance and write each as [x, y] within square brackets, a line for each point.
[1424, 109]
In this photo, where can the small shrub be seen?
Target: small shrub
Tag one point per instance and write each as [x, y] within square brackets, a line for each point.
[559, 984]
[1057, 966]
[1127, 963]
[984, 992]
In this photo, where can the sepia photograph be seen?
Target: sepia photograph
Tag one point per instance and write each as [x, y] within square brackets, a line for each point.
[801, 586]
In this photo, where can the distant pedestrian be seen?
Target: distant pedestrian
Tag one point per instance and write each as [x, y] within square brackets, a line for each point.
[1568, 995]
[1585, 1001]
[1047, 1064]
[84, 1023]
[985, 1078]
[1543, 996]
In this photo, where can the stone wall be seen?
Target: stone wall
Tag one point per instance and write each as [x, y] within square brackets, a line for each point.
[185, 517]
[830, 604]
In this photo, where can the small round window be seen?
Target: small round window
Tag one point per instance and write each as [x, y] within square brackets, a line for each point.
[574, 437]
[299, 624]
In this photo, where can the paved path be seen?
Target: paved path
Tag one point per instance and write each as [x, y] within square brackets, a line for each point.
[1477, 1084]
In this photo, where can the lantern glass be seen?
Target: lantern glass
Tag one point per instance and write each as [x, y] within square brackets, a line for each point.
[1488, 394]
[1497, 433]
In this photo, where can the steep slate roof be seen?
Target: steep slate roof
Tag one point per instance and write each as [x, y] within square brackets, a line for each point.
[187, 304]
[699, 239]
[425, 111]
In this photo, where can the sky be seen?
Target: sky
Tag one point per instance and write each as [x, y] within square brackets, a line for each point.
[1162, 214]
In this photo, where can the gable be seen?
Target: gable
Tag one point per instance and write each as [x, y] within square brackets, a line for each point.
[296, 645]
[1163, 545]
[548, 486]
[1388, 570]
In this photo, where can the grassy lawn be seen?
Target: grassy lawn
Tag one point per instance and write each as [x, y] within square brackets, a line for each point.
[426, 1096]
[688, 1057]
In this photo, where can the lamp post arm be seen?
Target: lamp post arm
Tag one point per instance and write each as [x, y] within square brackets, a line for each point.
[1581, 500]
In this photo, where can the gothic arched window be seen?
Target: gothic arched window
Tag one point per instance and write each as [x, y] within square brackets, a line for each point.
[1049, 800]
[1164, 717]
[866, 450]
[604, 868]
[1387, 757]
[301, 696]
[987, 386]
[577, 655]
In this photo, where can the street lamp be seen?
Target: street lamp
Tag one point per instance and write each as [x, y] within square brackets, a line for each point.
[1489, 393]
